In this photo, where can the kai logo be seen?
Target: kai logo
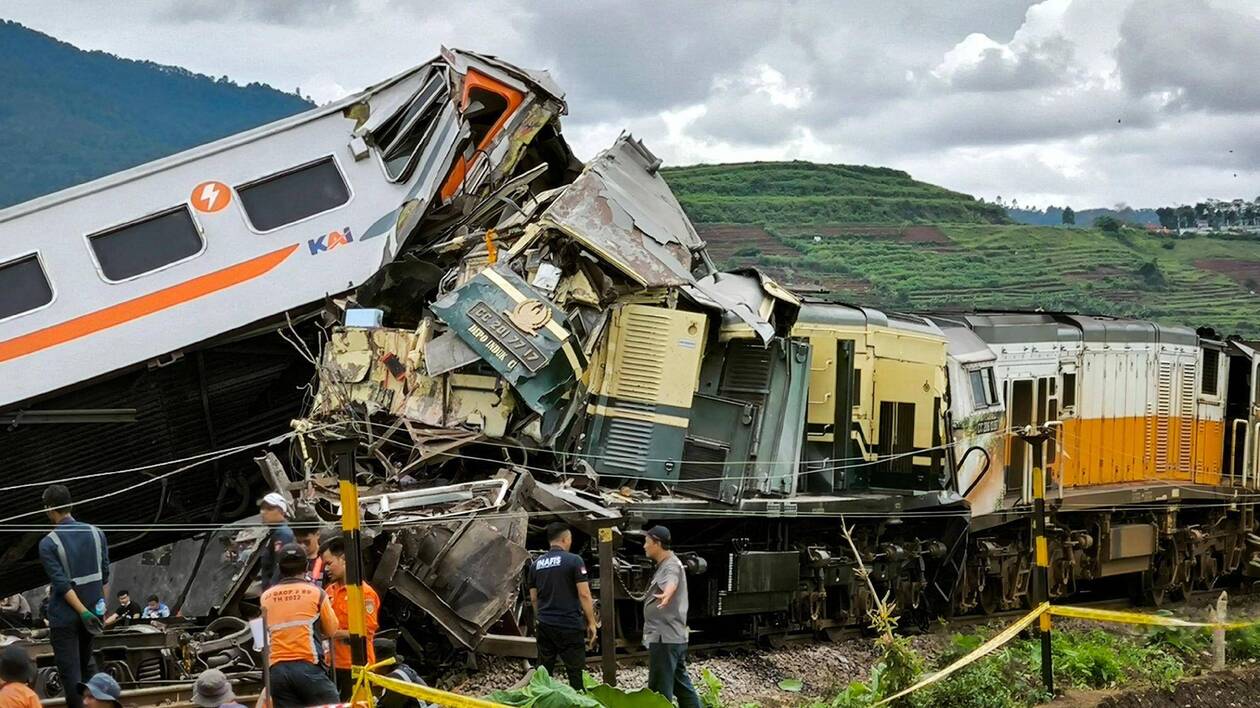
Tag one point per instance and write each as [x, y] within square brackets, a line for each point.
[329, 241]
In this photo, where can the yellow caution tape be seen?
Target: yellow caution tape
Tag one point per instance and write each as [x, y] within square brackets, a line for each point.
[1044, 611]
[996, 641]
[424, 693]
[1089, 613]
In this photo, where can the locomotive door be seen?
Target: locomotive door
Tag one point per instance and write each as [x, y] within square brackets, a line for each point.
[1251, 450]
[1029, 402]
[1242, 411]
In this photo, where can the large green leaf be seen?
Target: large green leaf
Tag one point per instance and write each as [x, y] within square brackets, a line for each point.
[610, 697]
[543, 691]
[793, 685]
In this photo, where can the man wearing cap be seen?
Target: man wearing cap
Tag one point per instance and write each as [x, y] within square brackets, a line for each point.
[15, 671]
[213, 690]
[75, 557]
[665, 622]
[561, 595]
[274, 510]
[100, 691]
[291, 610]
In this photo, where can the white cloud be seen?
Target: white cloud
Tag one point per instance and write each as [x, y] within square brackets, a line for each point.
[1081, 100]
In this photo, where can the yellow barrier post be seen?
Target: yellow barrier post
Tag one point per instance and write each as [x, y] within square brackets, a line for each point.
[1041, 573]
[354, 566]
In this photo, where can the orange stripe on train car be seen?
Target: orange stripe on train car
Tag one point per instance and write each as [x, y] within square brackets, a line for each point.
[134, 309]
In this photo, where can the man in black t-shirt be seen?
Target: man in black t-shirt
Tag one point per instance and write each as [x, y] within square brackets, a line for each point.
[561, 595]
[127, 612]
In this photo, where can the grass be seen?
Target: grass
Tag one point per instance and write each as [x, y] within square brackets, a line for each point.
[1083, 659]
[1006, 266]
[797, 193]
[988, 262]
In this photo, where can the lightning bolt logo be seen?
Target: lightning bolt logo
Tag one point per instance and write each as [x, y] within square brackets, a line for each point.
[209, 197]
[209, 193]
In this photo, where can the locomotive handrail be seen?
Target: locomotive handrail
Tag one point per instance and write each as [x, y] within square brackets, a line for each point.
[985, 470]
[1239, 463]
[1255, 460]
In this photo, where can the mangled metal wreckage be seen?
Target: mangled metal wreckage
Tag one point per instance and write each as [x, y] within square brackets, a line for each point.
[499, 376]
[574, 354]
[170, 335]
[505, 335]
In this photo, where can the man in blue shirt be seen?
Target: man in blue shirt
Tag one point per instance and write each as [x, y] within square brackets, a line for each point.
[155, 609]
[274, 510]
[75, 557]
[561, 595]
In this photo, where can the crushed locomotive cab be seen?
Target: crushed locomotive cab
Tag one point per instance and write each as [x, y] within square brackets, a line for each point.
[576, 345]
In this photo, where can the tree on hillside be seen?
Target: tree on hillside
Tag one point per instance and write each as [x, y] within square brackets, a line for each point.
[1185, 216]
[1167, 217]
[1069, 216]
[1108, 224]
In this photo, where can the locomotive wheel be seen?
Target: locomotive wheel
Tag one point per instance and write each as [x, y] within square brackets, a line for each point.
[1158, 582]
[48, 682]
[991, 596]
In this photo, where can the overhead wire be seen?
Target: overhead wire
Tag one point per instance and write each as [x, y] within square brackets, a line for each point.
[196, 461]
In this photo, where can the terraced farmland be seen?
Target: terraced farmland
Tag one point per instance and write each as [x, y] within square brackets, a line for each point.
[1196, 281]
[877, 236]
[799, 193]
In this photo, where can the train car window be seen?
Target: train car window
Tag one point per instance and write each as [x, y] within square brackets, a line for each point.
[401, 139]
[1069, 390]
[146, 245]
[1211, 368]
[23, 286]
[978, 397]
[284, 198]
[983, 390]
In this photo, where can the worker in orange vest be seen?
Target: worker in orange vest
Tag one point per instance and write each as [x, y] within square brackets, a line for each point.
[291, 610]
[335, 566]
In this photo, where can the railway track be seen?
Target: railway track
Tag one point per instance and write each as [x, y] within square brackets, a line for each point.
[174, 695]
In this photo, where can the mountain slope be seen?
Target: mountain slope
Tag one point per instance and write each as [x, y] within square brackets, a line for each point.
[809, 193]
[877, 237]
[69, 116]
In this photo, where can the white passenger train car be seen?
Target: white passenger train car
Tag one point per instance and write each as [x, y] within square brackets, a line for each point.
[138, 265]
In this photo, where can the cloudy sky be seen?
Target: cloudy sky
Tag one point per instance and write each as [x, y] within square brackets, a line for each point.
[1083, 102]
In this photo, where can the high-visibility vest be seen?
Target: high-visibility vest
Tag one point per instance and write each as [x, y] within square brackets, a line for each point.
[291, 609]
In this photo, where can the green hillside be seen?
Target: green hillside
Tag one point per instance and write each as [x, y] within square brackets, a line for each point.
[808, 193]
[69, 116]
[877, 237]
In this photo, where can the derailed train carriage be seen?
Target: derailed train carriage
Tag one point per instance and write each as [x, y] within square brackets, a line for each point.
[508, 337]
[755, 423]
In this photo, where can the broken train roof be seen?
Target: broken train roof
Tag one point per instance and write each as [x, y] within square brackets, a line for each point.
[621, 209]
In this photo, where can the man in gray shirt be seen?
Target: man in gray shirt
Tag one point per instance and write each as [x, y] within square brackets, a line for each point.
[665, 622]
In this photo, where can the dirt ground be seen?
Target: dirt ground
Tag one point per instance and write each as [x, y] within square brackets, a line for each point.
[1245, 273]
[746, 675]
[1227, 689]
[824, 668]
